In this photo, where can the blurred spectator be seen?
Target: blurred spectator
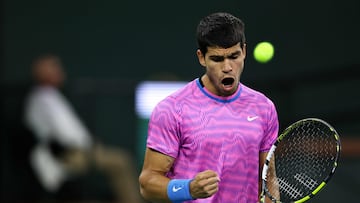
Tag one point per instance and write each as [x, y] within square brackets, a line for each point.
[64, 147]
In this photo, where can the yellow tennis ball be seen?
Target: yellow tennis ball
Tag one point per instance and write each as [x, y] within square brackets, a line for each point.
[264, 52]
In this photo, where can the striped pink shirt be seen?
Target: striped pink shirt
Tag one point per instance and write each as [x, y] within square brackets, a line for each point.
[225, 134]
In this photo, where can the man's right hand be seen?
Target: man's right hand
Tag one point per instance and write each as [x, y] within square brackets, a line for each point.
[205, 184]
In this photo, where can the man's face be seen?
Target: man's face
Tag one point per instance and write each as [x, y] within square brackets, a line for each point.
[223, 68]
[50, 72]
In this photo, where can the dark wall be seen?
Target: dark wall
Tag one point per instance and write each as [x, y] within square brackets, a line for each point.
[129, 41]
[109, 46]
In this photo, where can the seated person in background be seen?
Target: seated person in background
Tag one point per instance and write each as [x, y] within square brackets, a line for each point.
[65, 147]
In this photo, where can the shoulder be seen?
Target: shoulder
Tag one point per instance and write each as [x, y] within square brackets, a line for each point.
[175, 101]
[186, 90]
[254, 95]
[43, 96]
[182, 93]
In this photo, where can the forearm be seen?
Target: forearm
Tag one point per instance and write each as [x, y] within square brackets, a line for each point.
[153, 187]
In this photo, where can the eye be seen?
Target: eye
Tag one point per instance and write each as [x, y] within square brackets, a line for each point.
[234, 56]
[217, 58]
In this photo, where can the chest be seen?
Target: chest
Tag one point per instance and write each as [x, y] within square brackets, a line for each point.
[222, 126]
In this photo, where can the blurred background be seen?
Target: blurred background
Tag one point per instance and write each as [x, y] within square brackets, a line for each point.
[109, 47]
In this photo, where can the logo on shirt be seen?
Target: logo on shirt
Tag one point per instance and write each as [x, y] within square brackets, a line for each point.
[252, 118]
[175, 189]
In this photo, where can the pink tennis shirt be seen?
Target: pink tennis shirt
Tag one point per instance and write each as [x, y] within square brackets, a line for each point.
[226, 134]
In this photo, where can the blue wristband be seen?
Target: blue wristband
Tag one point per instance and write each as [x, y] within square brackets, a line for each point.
[178, 190]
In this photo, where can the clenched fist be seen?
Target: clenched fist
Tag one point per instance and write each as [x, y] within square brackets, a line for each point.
[205, 184]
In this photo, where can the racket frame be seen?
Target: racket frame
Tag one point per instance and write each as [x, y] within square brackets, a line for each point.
[272, 150]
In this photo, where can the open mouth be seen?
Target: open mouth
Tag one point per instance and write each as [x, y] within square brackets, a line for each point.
[227, 82]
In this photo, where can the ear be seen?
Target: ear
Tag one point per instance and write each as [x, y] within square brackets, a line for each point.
[244, 50]
[201, 57]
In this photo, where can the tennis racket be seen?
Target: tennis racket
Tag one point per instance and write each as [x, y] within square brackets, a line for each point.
[300, 162]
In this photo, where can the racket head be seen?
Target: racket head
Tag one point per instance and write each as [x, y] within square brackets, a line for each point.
[301, 161]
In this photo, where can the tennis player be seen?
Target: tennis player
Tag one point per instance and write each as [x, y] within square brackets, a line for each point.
[208, 141]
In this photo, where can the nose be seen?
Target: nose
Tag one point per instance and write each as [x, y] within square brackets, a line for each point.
[227, 66]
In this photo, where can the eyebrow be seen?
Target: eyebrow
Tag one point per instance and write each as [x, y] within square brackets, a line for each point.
[227, 56]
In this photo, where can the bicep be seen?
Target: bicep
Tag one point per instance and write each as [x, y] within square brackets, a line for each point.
[272, 183]
[262, 158]
[153, 182]
[157, 161]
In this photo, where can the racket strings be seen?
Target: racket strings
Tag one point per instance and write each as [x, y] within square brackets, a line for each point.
[303, 159]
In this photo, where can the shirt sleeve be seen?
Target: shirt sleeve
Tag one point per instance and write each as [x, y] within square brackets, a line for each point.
[271, 129]
[163, 130]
